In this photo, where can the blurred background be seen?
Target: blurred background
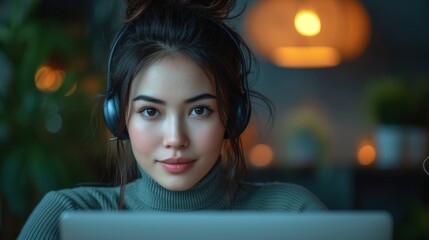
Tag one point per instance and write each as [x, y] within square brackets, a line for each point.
[349, 80]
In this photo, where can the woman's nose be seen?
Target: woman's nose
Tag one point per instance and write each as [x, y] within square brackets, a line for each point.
[175, 135]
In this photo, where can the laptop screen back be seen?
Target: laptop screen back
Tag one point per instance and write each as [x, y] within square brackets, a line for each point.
[226, 225]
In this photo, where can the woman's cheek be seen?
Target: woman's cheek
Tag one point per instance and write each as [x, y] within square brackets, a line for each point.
[142, 137]
[210, 139]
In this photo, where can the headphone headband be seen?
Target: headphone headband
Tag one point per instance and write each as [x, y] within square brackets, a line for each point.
[112, 103]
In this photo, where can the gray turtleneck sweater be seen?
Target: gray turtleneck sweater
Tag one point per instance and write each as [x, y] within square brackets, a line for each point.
[145, 194]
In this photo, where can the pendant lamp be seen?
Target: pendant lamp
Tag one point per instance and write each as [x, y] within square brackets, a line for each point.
[308, 33]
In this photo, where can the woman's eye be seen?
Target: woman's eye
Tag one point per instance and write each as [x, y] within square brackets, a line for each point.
[201, 111]
[150, 112]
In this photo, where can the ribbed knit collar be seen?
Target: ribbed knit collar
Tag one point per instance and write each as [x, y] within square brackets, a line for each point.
[208, 194]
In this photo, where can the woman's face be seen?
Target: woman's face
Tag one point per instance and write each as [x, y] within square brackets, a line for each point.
[173, 122]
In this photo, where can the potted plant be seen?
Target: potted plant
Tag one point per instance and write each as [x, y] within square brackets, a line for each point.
[417, 122]
[40, 130]
[400, 113]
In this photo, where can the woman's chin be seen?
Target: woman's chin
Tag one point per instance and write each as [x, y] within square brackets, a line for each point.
[177, 185]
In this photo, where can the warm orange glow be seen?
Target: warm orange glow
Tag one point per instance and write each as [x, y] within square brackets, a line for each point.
[366, 154]
[48, 79]
[72, 90]
[261, 155]
[307, 23]
[91, 84]
[357, 34]
[342, 25]
[306, 57]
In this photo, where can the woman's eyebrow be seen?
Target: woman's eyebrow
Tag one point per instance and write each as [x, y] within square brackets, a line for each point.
[200, 97]
[148, 99]
[159, 101]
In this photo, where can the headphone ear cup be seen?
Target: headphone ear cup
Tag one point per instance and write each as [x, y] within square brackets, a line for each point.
[242, 118]
[111, 116]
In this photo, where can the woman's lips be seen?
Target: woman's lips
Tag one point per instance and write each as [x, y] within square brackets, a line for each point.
[176, 165]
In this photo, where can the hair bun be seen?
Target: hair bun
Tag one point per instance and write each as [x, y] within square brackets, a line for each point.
[219, 8]
[135, 7]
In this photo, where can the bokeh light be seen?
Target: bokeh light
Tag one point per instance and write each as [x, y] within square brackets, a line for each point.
[366, 153]
[53, 123]
[261, 155]
[48, 79]
[72, 90]
[308, 34]
[307, 23]
[306, 56]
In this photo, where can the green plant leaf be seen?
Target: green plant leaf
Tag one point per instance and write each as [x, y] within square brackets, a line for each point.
[13, 182]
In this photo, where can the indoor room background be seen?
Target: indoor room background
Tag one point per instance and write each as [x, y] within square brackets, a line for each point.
[349, 81]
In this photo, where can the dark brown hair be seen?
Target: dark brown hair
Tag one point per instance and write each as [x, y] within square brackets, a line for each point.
[154, 30]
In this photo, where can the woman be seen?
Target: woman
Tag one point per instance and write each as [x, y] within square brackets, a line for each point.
[177, 97]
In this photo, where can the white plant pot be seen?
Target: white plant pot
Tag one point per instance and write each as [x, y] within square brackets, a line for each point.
[389, 142]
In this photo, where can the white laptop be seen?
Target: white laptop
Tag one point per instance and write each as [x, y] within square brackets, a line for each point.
[350, 225]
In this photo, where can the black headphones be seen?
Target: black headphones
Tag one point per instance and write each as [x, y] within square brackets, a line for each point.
[111, 108]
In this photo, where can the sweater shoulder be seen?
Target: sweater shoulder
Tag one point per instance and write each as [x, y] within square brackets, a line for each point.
[91, 197]
[43, 222]
[278, 196]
